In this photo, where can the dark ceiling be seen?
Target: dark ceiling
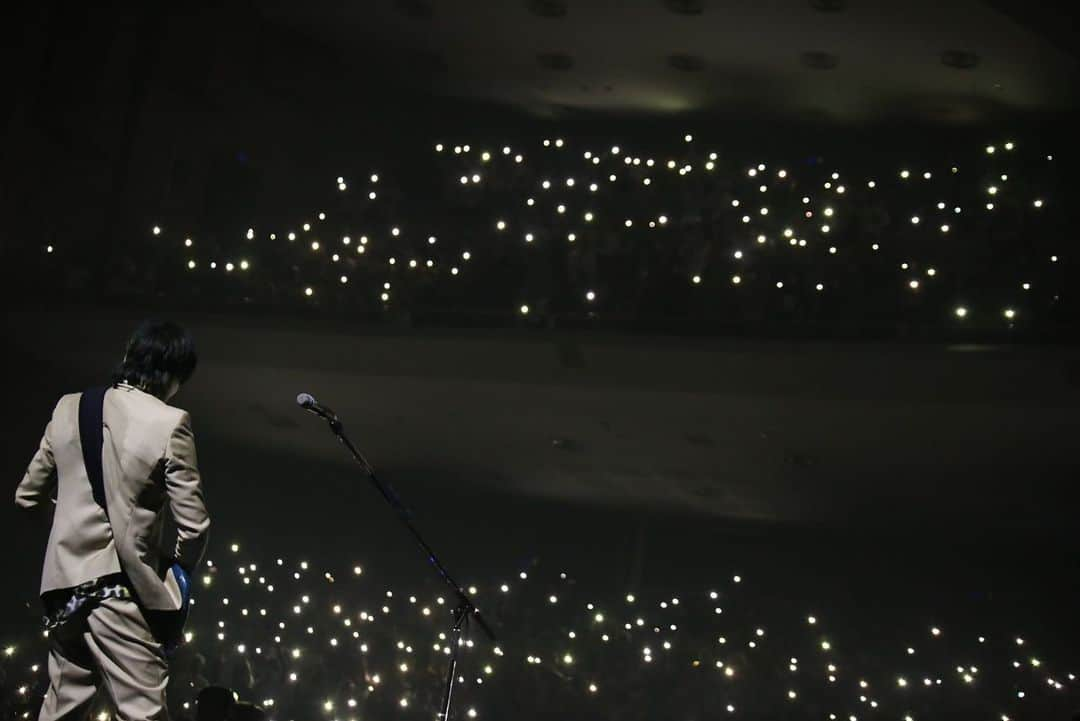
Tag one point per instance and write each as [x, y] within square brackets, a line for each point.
[847, 62]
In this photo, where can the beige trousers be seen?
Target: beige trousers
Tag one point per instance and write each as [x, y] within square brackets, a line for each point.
[112, 649]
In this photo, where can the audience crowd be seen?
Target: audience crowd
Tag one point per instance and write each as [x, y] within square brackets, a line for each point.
[278, 639]
[556, 232]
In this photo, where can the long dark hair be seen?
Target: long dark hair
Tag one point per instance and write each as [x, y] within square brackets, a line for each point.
[157, 353]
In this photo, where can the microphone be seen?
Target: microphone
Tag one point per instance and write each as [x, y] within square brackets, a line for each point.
[308, 403]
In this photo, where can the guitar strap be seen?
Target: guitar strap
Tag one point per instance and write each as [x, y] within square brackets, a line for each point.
[92, 438]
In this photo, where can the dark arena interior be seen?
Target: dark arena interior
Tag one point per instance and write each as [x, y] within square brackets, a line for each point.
[722, 351]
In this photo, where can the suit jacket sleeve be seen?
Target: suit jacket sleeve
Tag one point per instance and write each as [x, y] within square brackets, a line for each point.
[40, 478]
[184, 487]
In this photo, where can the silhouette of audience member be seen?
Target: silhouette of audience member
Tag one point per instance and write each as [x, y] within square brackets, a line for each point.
[214, 703]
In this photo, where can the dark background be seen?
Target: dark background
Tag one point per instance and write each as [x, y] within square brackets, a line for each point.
[915, 476]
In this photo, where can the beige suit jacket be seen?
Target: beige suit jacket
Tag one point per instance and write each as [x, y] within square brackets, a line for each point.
[151, 477]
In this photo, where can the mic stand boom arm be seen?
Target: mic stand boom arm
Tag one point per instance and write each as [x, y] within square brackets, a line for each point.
[465, 609]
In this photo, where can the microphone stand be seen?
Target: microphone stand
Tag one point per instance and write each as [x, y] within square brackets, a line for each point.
[465, 609]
